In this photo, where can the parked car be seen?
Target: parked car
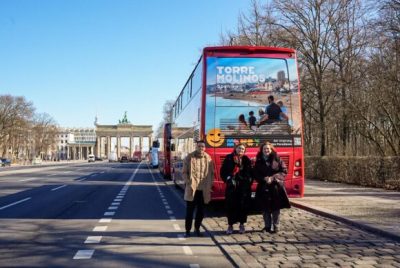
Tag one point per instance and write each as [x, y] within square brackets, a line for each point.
[124, 159]
[91, 158]
[37, 161]
[96, 158]
[5, 162]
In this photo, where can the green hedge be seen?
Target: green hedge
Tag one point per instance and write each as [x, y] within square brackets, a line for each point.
[381, 172]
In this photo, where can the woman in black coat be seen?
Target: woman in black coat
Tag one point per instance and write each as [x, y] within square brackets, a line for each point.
[236, 173]
[270, 172]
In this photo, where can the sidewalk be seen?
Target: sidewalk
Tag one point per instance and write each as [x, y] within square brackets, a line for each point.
[328, 231]
[375, 210]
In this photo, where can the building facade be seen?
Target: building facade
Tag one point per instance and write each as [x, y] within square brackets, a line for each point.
[75, 143]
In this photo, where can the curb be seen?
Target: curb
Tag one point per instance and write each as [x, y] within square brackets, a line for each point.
[353, 223]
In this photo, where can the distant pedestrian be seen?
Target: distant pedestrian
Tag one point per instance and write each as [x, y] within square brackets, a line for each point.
[236, 173]
[270, 172]
[198, 174]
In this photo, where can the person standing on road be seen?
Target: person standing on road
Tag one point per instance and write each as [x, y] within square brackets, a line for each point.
[198, 174]
[270, 172]
[236, 173]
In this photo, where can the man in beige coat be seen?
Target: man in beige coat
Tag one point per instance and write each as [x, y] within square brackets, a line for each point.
[198, 173]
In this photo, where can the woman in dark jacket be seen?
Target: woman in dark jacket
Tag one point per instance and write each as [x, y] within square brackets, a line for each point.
[236, 173]
[270, 172]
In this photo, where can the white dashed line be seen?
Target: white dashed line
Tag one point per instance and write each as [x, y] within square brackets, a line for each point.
[171, 218]
[105, 220]
[117, 199]
[181, 237]
[93, 239]
[62, 186]
[84, 254]
[29, 179]
[115, 203]
[109, 213]
[194, 265]
[100, 228]
[170, 212]
[15, 203]
[177, 227]
[187, 250]
[112, 208]
[167, 207]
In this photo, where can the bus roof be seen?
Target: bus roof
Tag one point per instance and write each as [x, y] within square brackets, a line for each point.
[253, 49]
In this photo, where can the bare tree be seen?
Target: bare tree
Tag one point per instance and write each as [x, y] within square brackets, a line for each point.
[44, 133]
[167, 117]
[15, 116]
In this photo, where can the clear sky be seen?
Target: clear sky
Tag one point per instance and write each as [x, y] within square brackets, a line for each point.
[75, 59]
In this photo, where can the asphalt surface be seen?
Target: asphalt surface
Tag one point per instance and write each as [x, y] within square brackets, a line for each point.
[97, 215]
[126, 215]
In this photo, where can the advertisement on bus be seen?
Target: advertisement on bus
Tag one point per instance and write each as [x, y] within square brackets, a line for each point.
[250, 100]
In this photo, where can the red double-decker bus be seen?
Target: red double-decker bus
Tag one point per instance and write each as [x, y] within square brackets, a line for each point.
[224, 102]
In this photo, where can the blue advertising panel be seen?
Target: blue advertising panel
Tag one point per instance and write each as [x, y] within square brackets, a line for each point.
[239, 106]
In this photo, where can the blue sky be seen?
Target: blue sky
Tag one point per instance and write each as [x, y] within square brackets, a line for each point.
[75, 59]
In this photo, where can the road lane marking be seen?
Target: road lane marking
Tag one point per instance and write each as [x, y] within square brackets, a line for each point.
[105, 220]
[93, 239]
[167, 207]
[109, 213]
[100, 228]
[62, 186]
[172, 218]
[115, 203]
[181, 237]
[84, 254]
[177, 227]
[170, 212]
[29, 179]
[187, 250]
[112, 208]
[15, 203]
[194, 265]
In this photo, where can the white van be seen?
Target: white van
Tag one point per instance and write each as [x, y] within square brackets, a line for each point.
[154, 157]
[91, 158]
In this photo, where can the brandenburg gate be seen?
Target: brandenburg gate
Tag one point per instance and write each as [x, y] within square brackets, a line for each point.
[123, 139]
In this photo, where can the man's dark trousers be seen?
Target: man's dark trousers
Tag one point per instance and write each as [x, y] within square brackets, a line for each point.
[198, 203]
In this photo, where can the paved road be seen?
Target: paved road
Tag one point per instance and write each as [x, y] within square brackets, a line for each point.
[97, 215]
[125, 215]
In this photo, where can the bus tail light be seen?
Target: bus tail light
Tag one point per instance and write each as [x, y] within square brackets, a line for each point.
[297, 173]
[297, 163]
